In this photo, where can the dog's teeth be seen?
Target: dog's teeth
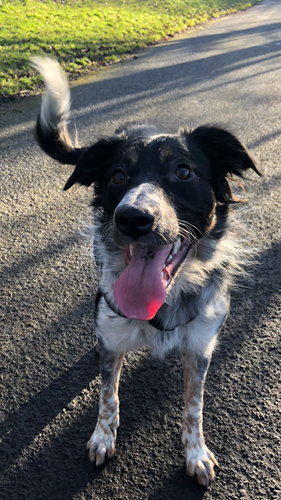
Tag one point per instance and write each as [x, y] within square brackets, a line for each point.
[176, 246]
[131, 250]
[169, 258]
[162, 276]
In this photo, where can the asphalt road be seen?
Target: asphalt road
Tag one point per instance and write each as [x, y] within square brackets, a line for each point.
[229, 72]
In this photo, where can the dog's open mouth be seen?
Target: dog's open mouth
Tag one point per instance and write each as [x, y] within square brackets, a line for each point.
[141, 288]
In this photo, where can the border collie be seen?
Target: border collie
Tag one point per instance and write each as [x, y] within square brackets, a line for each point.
[167, 248]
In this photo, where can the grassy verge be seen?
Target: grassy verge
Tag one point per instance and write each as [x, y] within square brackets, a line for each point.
[83, 34]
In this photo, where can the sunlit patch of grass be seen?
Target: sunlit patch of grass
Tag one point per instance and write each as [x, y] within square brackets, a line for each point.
[82, 34]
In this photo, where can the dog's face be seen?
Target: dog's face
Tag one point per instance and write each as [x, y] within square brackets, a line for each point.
[159, 195]
[151, 185]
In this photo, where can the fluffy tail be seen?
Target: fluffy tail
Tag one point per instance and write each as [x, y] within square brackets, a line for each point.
[51, 128]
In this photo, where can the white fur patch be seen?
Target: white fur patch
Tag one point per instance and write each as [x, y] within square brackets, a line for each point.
[56, 102]
[197, 337]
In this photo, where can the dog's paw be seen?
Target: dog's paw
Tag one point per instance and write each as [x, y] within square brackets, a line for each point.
[200, 464]
[101, 444]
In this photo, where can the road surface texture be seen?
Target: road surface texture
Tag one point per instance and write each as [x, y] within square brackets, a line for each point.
[228, 72]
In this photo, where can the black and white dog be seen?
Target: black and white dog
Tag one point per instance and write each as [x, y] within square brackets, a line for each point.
[167, 248]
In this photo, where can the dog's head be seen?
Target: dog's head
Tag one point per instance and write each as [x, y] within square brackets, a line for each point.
[160, 194]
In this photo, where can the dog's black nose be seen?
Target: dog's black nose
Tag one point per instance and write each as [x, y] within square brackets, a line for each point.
[133, 222]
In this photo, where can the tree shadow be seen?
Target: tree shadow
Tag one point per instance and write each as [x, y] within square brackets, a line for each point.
[103, 99]
[49, 252]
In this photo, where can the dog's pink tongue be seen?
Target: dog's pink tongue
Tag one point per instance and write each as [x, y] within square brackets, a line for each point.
[139, 292]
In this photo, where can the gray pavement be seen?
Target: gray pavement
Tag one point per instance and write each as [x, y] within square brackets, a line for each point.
[229, 72]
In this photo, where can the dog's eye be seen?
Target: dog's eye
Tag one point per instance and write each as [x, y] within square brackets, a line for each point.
[118, 177]
[182, 172]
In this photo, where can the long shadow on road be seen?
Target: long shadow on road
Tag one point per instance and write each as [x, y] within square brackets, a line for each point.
[140, 86]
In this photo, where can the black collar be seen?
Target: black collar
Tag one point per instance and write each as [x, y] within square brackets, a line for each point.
[156, 322]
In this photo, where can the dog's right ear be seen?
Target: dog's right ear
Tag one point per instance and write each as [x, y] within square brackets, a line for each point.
[94, 162]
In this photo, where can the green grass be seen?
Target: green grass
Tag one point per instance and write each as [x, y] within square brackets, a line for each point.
[83, 34]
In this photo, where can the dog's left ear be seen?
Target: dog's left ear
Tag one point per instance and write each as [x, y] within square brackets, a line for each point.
[94, 162]
[227, 156]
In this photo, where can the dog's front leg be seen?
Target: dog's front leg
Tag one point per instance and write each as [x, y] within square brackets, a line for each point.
[199, 460]
[102, 441]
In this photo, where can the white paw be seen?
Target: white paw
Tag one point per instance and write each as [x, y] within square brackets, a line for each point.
[200, 463]
[101, 444]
